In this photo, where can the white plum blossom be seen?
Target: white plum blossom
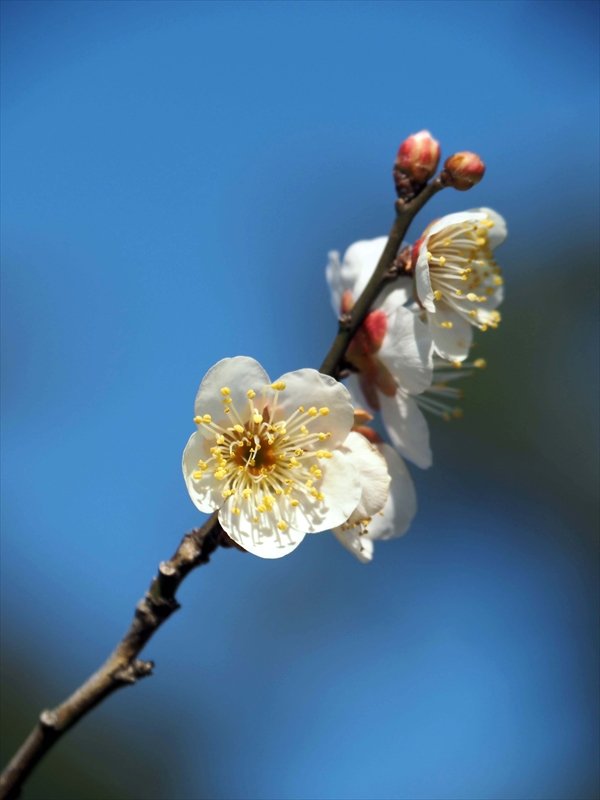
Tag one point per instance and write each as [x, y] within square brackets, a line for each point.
[393, 520]
[457, 280]
[391, 354]
[270, 455]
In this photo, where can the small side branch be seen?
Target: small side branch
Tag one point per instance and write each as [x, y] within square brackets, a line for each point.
[122, 668]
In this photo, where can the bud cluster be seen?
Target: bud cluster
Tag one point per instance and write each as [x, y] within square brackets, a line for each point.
[417, 161]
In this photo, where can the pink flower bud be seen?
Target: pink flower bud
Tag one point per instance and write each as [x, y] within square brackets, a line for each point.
[463, 170]
[418, 157]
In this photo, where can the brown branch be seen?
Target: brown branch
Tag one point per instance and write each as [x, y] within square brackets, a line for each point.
[351, 322]
[123, 667]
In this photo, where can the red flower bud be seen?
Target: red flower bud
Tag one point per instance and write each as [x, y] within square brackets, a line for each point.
[463, 170]
[418, 157]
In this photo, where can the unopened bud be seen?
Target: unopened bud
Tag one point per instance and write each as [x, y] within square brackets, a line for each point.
[463, 170]
[418, 157]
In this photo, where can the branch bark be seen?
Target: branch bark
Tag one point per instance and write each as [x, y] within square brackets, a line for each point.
[123, 668]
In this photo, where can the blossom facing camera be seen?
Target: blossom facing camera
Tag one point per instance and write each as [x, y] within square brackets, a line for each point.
[418, 158]
[269, 455]
[457, 280]
[462, 171]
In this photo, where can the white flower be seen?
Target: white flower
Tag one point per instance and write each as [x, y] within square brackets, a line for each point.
[394, 519]
[269, 455]
[391, 353]
[354, 272]
[457, 281]
[439, 399]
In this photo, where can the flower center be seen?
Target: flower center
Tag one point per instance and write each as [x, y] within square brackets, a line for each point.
[265, 463]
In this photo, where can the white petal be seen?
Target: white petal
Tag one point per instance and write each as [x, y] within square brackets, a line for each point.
[423, 280]
[401, 505]
[475, 215]
[357, 397]
[452, 343]
[206, 492]
[373, 475]
[309, 388]
[359, 546]
[342, 490]
[401, 287]
[407, 428]
[360, 260]
[262, 538]
[407, 351]
[498, 233]
[238, 374]
[338, 282]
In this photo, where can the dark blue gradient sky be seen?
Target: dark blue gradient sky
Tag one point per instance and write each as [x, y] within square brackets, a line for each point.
[173, 175]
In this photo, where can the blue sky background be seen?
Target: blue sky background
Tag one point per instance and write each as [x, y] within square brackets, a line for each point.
[173, 175]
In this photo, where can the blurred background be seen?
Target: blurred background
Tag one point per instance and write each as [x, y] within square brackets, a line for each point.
[173, 177]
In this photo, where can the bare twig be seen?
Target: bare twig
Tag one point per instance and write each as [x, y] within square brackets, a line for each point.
[123, 668]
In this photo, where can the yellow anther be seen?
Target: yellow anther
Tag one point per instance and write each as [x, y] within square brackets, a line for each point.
[298, 451]
[235, 511]
[327, 454]
[446, 324]
[257, 419]
[220, 439]
[322, 436]
[313, 492]
[324, 411]
[320, 453]
[220, 474]
[300, 408]
[207, 418]
[227, 410]
[480, 363]
[320, 496]
[238, 428]
[225, 391]
[255, 519]
[457, 413]
[282, 525]
[472, 297]
[483, 328]
[457, 364]
[489, 290]
[459, 292]
[437, 295]
[197, 420]
[472, 313]
[308, 483]
[278, 491]
[304, 430]
[312, 412]
[202, 464]
[442, 261]
[294, 503]
[468, 270]
[429, 256]
[227, 493]
[288, 490]
[498, 280]
[261, 508]
[226, 401]
[197, 475]
[447, 242]
[279, 386]
[463, 277]
[247, 494]
[251, 394]
[294, 462]
[481, 241]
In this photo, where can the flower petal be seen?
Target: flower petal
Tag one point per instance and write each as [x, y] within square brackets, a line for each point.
[407, 428]
[401, 505]
[359, 546]
[373, 475]
[472, 216]
[238, 374]
[452, 343]
[423, 280]
[262, 538]
[407, 351]
[498, 233]
[205, 492]
[341, 488]
[310, 389]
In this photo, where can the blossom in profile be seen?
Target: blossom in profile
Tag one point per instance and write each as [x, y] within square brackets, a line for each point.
[457, 280]
[390, 355]
[358, 535]
[269, 455]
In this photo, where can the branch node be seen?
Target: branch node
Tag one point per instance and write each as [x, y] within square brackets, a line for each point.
[133, 672]
[167, 569]
[345, 321]
[48, 719]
